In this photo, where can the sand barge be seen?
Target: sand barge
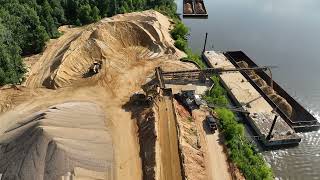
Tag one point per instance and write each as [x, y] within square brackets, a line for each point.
[118, 42]
[280, 101]
[49, 144]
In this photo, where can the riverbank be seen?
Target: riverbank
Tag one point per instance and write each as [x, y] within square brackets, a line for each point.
[240, 151]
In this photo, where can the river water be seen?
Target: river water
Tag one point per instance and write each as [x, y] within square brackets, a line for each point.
[285, 33]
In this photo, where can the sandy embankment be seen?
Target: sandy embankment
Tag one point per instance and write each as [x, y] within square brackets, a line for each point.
[130, 46]
[192, 149]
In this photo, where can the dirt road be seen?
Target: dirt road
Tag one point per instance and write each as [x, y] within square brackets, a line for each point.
[216, 159]
[169, 158]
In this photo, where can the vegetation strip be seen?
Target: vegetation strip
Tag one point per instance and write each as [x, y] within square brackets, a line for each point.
[240, 150]
[179, 33]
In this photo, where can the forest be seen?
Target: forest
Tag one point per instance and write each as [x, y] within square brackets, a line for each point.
[26, 25]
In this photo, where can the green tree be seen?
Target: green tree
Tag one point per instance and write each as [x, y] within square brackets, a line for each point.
[85, 14]
[26, 28]
[47, 20]
[95, 14]
[179, 31]
[11, 66]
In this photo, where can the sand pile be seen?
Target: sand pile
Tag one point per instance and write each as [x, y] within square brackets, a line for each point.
[193, 156]
[51, 143]
[277, 99]
[118, 43]
[199, 8]
[187, 8]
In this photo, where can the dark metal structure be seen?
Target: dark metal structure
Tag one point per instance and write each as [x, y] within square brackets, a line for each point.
[272, 126]
[209, 71]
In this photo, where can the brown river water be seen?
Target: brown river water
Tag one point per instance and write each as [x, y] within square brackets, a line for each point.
[284, 33]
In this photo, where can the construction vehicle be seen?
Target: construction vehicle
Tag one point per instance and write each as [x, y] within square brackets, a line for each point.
[95, 68]
[212, 123]
[140, 99]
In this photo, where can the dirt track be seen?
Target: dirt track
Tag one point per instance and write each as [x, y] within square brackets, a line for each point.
[216, 159]
[168, 160]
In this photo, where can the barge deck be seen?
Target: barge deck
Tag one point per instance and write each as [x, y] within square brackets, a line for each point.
[300, 120]
[250, 99]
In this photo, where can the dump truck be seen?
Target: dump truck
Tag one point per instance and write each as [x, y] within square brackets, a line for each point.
[212, 123]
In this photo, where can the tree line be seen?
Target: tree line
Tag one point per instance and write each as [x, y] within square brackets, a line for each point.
[26, 25]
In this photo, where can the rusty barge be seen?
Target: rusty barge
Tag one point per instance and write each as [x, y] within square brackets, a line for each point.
[194, 9]
[300, 120]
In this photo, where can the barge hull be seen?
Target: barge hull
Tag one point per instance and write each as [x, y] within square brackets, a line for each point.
[301, 120]
[260, 115]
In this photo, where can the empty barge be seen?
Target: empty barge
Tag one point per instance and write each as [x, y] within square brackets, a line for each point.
[194, 9]
[247, 94]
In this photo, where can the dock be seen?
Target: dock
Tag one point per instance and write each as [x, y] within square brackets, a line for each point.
[245, 95]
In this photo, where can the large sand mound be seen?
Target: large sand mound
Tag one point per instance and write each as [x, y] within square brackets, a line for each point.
[51, 143]
[119, 42]
[130, 47]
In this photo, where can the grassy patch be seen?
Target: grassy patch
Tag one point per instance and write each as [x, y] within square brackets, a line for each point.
[240, 150]
[217, 94]
[194, 58]
[179, 33]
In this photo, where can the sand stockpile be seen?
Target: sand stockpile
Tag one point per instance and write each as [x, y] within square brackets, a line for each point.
[118, 43]
[129, 46]
[260, 82]
[277, 99]
[187, 9]
[51, 143]
[199, 8]
[193, 154]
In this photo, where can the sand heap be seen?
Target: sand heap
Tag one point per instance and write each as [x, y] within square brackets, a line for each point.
[73, 136]
[118, 42]
[277, 99]
[187, 8]
[51, 143]
[198, 6]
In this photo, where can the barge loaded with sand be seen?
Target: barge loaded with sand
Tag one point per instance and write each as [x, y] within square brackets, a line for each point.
[194, 8]
[252, 91]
